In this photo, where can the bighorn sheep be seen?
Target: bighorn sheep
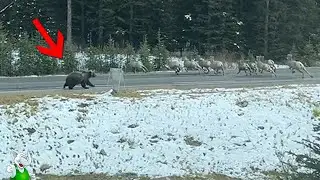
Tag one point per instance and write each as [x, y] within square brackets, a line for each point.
[263, 66]
[191, 64]
[272, 65]
[296, 65]
[205, 65]
[137, 64]
[243, 66]
[233, 65]
[254, 68]
[216, 66]
[175, 64]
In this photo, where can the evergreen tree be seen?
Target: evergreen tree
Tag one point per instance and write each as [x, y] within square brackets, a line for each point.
[144, 53]
[207, 25]
[70, 63]
[294, 51]
[310, 56]
[6, 64]
[161, 53]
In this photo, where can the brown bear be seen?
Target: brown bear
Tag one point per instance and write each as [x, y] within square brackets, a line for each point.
[76, 78]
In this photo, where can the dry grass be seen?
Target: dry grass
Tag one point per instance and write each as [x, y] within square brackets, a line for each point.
[129, 94]
[133, 177]
[27, 97]
[274, 175]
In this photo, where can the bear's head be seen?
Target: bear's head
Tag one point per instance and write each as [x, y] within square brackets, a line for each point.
[92, 73]
[89, 73]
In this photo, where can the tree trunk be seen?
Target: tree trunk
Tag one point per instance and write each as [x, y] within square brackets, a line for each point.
[69, 24]
[131, 23]
[83, 36]
[100, 24]
[266, 29]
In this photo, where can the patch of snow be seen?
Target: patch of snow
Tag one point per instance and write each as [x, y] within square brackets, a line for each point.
[81, 58]
[168, 132]
[236, 45]
[188, 17]
[240, 23]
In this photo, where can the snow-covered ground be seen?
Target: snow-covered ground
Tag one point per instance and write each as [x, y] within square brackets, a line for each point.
[168, 132]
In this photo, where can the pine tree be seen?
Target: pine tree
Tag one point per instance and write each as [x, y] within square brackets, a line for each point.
[161, 53]
[144, 53]
[294, 51]
[6, 66]
[223, 27]
[28, 60]
[310, 55]
[70, 63]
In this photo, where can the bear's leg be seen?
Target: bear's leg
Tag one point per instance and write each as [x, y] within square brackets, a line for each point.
[83, 84]
[90, 84]
[70, 87]
[64, 86]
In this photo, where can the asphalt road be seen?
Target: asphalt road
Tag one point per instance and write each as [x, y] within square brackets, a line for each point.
[185, 80]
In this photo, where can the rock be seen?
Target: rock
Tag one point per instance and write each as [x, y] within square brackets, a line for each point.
[242, 103]
[192, 142]
[44, 167]
[103, 152]
[82, 105]
[155, 137]
[30, 130]
[114, 92]
[96, 146]
[133, 126]
[70, 141]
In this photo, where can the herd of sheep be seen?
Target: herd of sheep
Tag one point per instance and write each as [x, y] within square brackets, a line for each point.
[218, 67]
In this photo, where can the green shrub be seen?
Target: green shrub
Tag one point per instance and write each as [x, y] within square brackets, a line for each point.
[6, 64]
[69, 61]
[306, 161]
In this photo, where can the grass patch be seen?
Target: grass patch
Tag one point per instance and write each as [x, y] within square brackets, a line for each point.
[275, 175]
[14, 99]
[316, 112]
[129, 94]
[27, 97]
[133, 176]
[29, 108]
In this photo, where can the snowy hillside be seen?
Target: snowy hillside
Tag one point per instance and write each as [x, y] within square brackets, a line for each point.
[168, 132]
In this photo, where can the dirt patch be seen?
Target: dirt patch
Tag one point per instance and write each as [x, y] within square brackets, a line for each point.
[134, 177]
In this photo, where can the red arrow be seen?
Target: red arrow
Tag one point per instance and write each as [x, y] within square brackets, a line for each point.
[54, 50]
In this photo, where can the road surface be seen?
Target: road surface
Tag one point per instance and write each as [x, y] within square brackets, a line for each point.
[166, 80]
